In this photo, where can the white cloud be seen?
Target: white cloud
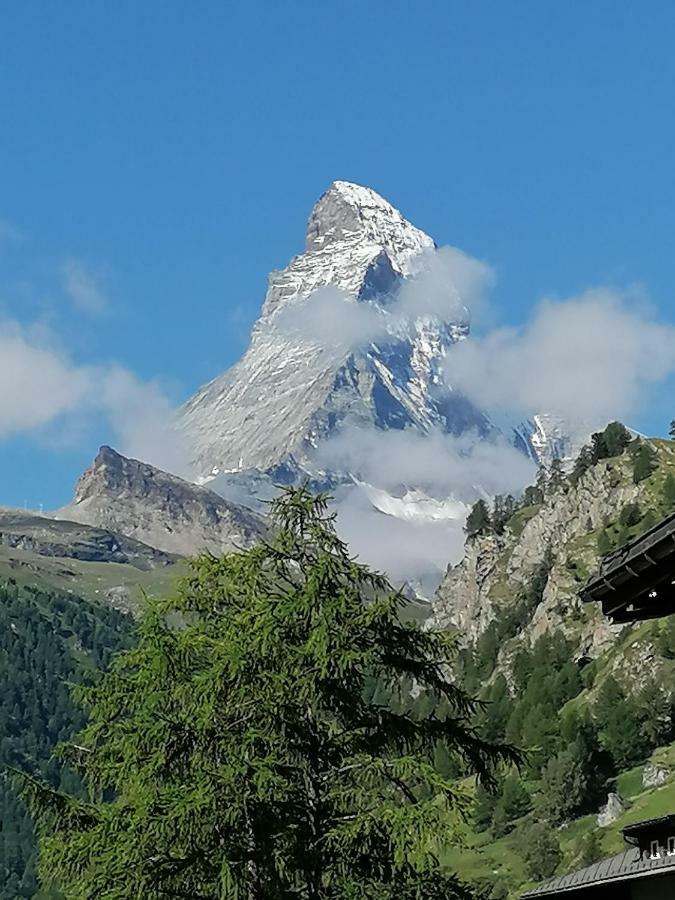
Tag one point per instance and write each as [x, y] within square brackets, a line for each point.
[83, 287]
[440, 464]
[144, 421]
[411, 467]
[589, 358]
[37, 382]
[416, 553]
[42, 388]
[332, 319]
[446, 283]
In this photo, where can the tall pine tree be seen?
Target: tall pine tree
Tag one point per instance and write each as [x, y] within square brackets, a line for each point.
[233, 753]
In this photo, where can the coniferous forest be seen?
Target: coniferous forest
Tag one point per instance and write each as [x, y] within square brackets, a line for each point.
[48, 642]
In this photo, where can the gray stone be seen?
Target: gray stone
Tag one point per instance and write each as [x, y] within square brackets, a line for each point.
[654, 776]
[611, 811]
[45, 536]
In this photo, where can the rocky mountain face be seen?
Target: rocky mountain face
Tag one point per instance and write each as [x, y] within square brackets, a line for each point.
[135, 499]
[293, 388]
[70, 540]
[560, 535]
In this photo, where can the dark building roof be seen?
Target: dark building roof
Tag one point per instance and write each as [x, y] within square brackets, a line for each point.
[641, 831]
[627, 866]
[636, 581]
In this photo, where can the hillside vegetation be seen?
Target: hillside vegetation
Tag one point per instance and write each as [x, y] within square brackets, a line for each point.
[591, 703]
[48, 640]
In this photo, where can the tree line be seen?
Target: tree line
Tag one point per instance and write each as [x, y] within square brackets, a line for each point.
[259, 741]
[48, 640]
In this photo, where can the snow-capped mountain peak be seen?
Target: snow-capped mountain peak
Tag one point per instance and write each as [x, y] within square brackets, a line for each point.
[350, 212]
[356, 241]
[290, 391]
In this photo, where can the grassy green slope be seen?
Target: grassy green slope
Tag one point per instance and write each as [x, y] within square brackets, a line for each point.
[120, 585]
[488, 861]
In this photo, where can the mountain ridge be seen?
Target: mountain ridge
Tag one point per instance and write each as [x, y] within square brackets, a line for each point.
[142, 502]
[289, 393]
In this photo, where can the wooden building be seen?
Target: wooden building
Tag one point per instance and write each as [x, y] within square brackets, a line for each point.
[645, 870]
[637, 581]
[634, 583]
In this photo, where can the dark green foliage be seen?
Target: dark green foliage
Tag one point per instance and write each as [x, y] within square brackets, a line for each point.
[541, 849]
[668, 491]
[563, 786]
[545, 679]
[604, 542]
[630, 514]
[237, 751]
[574, 781]
[655, 711]
[485, 655]
[483, 808]
[478, 521]
[498, 707]
[671, 428]
[582, 464]
[46, 641]
[533, 495]
[610, 442]
[630, 727]
[512, 805]
[645, 461]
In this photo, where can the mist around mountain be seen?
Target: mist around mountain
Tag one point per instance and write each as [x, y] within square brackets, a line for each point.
[344, 383]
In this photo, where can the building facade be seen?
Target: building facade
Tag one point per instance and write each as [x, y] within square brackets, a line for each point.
[645, 870]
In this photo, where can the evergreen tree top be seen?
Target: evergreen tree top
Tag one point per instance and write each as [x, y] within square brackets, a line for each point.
[234, 753]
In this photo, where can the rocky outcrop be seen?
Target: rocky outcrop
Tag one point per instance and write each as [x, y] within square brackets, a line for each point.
[302, 377]
[137, 500]
[71, 540]
[497, 570]
[309, 368]
[654, 775]
[463, 600]
[611, 811]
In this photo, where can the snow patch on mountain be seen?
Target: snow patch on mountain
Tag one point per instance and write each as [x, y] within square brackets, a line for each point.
[415, 506]
[352, 340]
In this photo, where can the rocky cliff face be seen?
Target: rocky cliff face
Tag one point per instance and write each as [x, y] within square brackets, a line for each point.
[142, 502]
[71, 540]
[497, 569]
[292, 389]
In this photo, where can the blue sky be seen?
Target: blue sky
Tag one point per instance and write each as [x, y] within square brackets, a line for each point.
[166, 155]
